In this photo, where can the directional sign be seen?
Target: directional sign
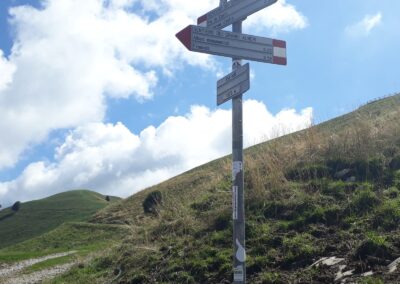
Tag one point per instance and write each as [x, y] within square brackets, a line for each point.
[232, 11]
[234, 84]
[235, 45]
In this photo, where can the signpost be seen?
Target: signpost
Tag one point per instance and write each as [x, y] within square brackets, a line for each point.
[236, 83]
[231, 12]
[232, 44]
[209, 38]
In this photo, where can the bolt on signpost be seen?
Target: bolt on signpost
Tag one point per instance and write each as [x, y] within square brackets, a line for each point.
[208, 37]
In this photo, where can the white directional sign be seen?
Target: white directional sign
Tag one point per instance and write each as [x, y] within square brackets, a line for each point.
[210, 38]
[234, 84]
[232, 11]
[235, 45]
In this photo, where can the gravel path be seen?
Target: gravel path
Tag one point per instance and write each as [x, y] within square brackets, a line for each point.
[39, 276]
[9, 273]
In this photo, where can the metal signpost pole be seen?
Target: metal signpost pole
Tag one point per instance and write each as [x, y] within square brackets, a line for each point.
[208, 37]
[239, 265]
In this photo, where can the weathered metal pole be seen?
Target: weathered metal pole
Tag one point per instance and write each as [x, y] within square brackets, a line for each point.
[239, 258]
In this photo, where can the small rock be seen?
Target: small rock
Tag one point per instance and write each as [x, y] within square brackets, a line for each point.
[342, 174]
[369, 273]
[328, 261]
[393, 266]
[340, 275]
[351, 179]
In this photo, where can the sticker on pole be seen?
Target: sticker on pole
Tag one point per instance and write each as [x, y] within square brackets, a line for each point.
[235, 202]
[237, 167]
[241, 252]
[238, 273]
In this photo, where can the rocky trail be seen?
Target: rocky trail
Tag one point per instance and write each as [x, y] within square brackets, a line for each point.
[13, 273]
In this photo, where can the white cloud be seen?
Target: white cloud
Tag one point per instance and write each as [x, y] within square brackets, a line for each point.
[7, 70]
[110, 159]
[70, 56]
[365, 26]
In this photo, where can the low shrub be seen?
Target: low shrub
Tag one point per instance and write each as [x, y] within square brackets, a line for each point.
[151, 202]
[204, 205]
[16, 206]
[387, 216]
[395, 163]
[271, 278]
[364, 200]
[300, 248]
[396, 179]
[308, 172]
[392, 192]
[336, 189]
[374, 245]
[223, 221]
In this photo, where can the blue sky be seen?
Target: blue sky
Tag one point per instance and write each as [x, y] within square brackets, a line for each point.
[101, 95]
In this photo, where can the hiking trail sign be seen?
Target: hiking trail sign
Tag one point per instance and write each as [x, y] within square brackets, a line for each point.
[232, 11]
[237, 45]
[208, 37]
[233, 84]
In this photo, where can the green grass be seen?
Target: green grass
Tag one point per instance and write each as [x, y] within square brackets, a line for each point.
[297, 211]
[40, 216]
[83, 237]
[50, 263]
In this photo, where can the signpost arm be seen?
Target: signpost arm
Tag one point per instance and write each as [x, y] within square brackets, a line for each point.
[238, 179]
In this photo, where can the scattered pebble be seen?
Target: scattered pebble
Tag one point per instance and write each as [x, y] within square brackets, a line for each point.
[329, 261]
[340, 275]
[369, 273]
[393, 266]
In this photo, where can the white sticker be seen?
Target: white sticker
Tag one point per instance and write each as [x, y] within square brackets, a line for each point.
[235, 202]
[237, 167]
[241, 252]
[238, 273]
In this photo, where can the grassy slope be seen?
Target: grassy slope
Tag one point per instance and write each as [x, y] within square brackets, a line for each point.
[40, 216]
[298, 210]
[82, 237]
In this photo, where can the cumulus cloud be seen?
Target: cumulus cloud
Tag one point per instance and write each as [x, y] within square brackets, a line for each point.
[365, 26]
[109, 158]
[70, 55]
[7, 70]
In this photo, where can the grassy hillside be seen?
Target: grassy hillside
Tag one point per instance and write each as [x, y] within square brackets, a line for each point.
[77, 236]
[330, 191]
[40, 216]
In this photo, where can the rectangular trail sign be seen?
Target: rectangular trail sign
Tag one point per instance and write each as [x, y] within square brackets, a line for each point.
[234, 45]
[233, 84]
[232, 11]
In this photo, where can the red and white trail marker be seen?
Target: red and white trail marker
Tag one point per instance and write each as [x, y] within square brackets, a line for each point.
[234, 45]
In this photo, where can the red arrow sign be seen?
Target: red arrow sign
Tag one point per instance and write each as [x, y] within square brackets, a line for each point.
[234, 45]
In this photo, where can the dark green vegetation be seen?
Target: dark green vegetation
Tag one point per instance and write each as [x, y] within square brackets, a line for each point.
[152, 201]
[331, 190]
[37, 217]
